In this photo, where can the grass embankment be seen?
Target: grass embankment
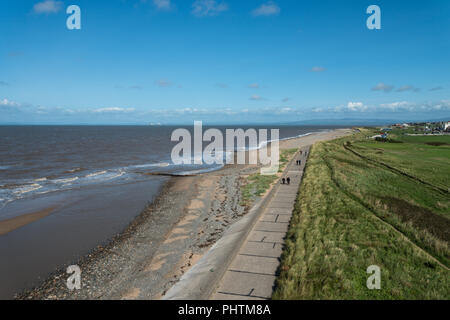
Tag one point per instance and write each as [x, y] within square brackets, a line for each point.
[256, 184]
[286, 156]
[365, 203]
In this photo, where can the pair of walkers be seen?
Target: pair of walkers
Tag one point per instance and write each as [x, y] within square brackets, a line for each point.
[299, 162]
[286, 180]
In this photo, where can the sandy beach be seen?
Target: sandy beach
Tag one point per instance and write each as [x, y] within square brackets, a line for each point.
[166, 239]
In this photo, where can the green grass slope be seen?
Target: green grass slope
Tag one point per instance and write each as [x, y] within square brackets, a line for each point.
[365, 203]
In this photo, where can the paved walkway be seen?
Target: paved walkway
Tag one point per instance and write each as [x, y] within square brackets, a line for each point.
[252, 273]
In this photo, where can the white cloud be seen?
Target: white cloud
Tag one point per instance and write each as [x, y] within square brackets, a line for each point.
[352, 109]
[256, 98]
[383, 87]
[162, 4]
[114, 110]
[317, 110]
[203, 8]
[8, 103]
[163, 83]
[443, 105]
[349, 108]
[405, 88]
[408, 88]
[395, 105]
[356, 106]
[193, 111]
[318, 69]
[266, 9]
[47, 6]
[253, 85]
[436, 88]
[398, 106]
[286, 110]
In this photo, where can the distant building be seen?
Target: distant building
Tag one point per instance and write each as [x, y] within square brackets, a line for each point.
[380, 136]
[447, 126]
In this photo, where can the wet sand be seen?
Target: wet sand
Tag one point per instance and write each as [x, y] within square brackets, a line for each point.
[168, 238]
[12, 224]
[82, 219]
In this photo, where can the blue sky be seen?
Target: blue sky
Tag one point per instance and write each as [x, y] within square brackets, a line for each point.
[222, 61]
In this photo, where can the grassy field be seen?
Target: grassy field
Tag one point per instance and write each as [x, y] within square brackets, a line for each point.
[365, 203]
[257, 184]
[285, 156]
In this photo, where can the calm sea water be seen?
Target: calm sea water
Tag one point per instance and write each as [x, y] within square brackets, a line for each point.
[94, 177]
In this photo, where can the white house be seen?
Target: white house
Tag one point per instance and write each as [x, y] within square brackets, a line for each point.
[447, 126]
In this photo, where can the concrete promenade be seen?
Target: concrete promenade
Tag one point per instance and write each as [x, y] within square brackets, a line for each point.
[252, 273]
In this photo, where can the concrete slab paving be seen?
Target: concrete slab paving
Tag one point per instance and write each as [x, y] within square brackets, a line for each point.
[255, 264]
[283, 218]
[286, 197]
[270, 218]
[272, 226]
[278, 211]
[249, 285]
[229, 296]
[252, 273]
[263, 249]
[261, 236]
[281, 204]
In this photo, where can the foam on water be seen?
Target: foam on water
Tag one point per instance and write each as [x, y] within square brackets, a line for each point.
[27, 188]
[65, 180]
[95, 174]
[149, 165]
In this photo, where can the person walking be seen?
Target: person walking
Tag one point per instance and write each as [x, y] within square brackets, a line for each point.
[283, 181]
[288, 180]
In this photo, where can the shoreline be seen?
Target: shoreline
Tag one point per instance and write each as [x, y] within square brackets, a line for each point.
[11, 224]
[101, 250]
[168, 237]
